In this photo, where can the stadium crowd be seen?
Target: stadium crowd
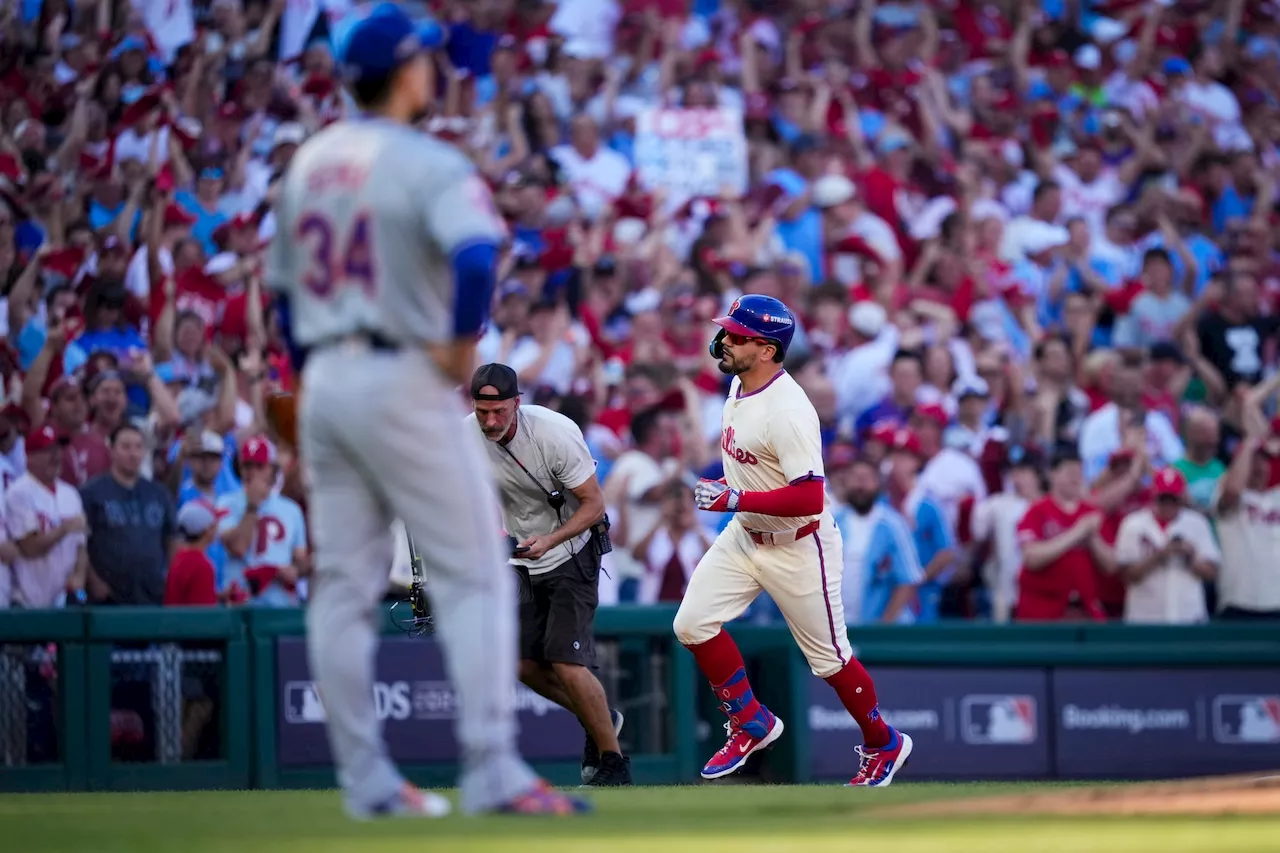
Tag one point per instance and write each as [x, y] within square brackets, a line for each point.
[1030, 244]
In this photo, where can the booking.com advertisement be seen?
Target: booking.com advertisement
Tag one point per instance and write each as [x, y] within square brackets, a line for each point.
[416, 703]
[1062, 723]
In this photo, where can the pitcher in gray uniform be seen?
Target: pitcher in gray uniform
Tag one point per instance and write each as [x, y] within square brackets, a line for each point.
[384, 260]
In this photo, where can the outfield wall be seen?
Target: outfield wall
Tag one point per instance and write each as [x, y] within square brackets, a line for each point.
[137, 699]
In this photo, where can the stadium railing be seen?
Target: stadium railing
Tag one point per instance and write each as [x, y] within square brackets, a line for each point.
[145, 699]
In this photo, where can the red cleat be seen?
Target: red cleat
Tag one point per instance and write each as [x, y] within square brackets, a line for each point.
[542, 799]
[879, 766]
[742, 743]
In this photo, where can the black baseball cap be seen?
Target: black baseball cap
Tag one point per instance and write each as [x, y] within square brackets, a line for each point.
[499, 376]
[1166, 351]
[1062, 455]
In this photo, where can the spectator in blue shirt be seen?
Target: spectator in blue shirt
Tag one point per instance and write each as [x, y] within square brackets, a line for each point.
[1186, 209]
[33, 326]
[204, 205]
[200, 469]
[931, 533]
[800, 223]
[881, 569]
[109, 202]
[1227, 201]
[906, 374]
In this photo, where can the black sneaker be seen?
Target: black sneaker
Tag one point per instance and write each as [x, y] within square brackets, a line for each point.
[591, 752]
[614, 772]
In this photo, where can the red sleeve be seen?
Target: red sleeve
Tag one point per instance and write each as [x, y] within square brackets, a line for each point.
[190, 581]
[202, 590]
[964, 520]
[880, 189]
[175, 583]
[595, 330]
[1029, 529]
[1121, 299]
[156, 303]
[962, 299]
[1110, 529]
[855, 245]
[798, 499]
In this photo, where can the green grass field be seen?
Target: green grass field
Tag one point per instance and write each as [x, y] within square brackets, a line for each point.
[693, 819]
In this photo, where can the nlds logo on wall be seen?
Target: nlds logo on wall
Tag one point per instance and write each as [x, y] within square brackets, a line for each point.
[1246, 719]
[302, 702]
[996, 720]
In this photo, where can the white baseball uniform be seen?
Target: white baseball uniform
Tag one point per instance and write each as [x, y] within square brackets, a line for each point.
[1170, 594]
[1249, 536]
[31, 507]
[6, 573]
[770, 438]
[369, 214]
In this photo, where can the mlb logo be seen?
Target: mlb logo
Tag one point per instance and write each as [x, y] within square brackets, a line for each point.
[998, 720]
[302, 703]
[1246, 719]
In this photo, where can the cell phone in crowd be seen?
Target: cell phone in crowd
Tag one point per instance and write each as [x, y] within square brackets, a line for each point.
[519, 549]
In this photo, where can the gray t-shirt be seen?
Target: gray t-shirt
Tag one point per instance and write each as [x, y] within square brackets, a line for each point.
[368, 217]
[1150, 320]
[129, 534]
[551, 447]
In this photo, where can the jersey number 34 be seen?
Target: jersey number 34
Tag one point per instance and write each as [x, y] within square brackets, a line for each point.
[335, 259]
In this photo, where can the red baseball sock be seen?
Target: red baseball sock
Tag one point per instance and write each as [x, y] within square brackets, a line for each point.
[721, 662]
[718, 658]
[858, 695]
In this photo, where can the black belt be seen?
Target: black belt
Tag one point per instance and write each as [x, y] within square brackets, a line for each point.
[376, 341]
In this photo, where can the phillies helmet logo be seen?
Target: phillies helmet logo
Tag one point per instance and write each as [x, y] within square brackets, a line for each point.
[734, 307]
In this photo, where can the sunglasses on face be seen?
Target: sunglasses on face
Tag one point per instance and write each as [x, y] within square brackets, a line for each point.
[738, 340]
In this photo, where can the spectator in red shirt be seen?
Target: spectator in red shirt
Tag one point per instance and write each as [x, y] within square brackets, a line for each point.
[191, 580]
[1116, 493]
[1059, 539]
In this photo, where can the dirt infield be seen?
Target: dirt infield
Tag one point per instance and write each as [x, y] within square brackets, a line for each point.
[1213, 796]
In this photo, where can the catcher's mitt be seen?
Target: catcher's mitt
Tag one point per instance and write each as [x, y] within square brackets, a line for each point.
[282, 417]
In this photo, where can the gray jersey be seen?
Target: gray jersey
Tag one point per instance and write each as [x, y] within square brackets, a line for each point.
[368, 216]
[552, 449]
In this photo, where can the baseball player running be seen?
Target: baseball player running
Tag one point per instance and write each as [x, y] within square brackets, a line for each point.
[782, 540]
[385, 258]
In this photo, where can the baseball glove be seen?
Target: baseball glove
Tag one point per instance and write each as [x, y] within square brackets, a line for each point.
[282, 417]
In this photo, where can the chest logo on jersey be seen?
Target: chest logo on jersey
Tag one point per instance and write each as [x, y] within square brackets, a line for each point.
[1262, 515]
[737, 454]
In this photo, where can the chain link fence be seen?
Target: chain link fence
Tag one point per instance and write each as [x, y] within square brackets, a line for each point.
[166, 702]
[28, 705]
[635, 682]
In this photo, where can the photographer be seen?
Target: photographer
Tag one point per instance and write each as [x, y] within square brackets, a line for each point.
[552, 505]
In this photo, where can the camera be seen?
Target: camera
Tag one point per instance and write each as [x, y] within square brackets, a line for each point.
[600, 541]
[555, 500]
